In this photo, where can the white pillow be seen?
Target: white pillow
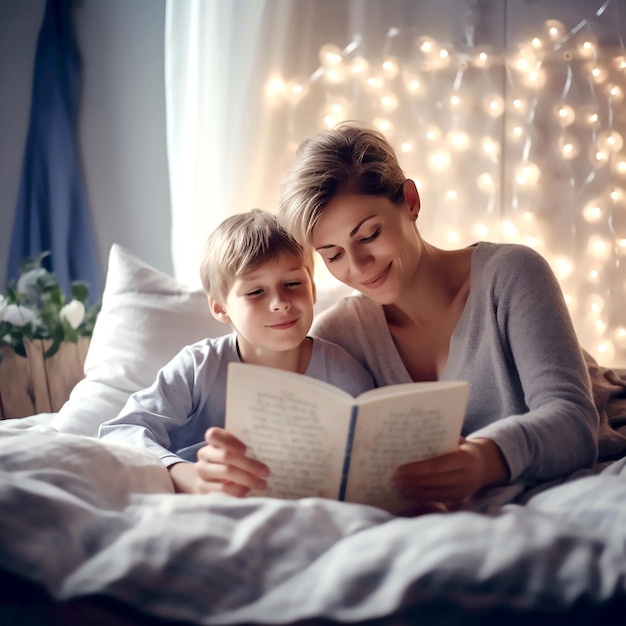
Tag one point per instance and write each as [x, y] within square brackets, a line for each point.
[146, 318]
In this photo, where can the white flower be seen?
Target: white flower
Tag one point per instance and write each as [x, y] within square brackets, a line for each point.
[73, 313]
[19, 315]
[27, 283]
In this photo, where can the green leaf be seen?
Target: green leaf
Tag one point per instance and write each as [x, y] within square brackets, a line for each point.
[53, 349]
[80, 291]
[19, 348]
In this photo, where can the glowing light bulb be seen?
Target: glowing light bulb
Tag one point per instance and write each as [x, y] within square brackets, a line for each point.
[455, 101]
[458, 140]
[359, 66]
[592, 212]
[330, 55]
[619, 336]
[555, 29]
[389, 102]
[526, 173]
[296, 91]
[406, 146]
[518, 105]
[598, 248]
[453, 237]
[390, 68]
[414, 85]
[432, 132]
[605, 351]
[494, 105]
[482, 58]
[480, 230]
[596, 304]
[615, 92]
[452, 194]
[536, 43]
[563, 268]
[565, 114]
[598, 74]
[485, 182]
[535, 79]
[619, 62]
[275, 88]
[509, 229]
[490, 146]
[334, 75]
[586, 49]
[598, 157]
[384, 125]
[375, 83]
[426, 45]
[618, 165]
[439, 160]
[569, 146]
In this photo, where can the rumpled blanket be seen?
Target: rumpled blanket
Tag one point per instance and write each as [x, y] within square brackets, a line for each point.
[609, 394]
[81, 517]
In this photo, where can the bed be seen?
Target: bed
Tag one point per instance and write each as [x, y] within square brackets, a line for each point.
[92, 532]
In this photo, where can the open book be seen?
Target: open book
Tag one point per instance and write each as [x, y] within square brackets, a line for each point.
[319, 441]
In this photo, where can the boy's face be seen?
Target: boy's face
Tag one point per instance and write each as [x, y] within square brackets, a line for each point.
[271, 308]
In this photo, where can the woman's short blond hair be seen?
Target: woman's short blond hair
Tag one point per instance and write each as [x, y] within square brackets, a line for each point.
[351, 157]
[241, 244]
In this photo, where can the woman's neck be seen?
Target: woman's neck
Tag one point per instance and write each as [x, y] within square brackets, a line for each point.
[442, 276]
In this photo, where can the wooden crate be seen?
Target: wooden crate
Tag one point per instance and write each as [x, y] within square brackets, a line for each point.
[34, 384]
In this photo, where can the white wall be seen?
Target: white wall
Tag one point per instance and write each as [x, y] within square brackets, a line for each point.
[121, 129]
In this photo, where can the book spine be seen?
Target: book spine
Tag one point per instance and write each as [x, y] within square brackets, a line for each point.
[348, 454]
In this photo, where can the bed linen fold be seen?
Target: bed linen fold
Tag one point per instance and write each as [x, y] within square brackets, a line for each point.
[80, 517]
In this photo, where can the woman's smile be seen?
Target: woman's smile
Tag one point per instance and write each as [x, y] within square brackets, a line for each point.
[377, 281]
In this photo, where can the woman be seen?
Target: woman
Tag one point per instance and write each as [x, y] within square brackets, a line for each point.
[491, 314]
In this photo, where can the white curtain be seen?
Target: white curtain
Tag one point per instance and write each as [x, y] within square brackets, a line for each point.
[509, 115]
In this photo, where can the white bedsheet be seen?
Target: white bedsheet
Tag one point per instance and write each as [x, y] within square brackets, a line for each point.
[79, 516]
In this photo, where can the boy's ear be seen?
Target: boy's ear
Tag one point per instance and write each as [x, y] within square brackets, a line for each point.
[218, 311]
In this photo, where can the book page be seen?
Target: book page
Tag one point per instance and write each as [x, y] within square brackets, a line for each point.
[393, 431]
[291, 426]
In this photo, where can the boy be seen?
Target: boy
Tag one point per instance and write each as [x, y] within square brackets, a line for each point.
[260, 281]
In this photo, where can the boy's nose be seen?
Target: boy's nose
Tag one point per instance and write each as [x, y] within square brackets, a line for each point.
[279, 303]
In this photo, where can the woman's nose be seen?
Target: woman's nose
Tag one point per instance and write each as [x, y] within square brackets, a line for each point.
[359, 259]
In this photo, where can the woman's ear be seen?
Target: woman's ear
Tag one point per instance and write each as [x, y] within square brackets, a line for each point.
[218, 311]
[412, 198]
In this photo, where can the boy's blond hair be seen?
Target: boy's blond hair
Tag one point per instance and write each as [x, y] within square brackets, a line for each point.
[351, 157]
[241, 244]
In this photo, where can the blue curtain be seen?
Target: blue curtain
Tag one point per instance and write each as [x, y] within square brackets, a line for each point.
[52, 212]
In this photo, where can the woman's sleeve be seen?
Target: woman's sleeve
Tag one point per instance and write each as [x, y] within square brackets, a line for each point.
[558, 434]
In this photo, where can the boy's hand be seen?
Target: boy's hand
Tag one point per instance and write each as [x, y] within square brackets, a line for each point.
[455, 477]
[222, 466]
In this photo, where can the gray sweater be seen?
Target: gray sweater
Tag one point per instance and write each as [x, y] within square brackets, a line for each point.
[189, 395]
[515, 344]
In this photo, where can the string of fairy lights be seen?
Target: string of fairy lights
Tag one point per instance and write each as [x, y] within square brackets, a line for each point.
[524, 146]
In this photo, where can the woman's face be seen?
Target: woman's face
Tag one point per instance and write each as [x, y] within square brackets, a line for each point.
[370, 244]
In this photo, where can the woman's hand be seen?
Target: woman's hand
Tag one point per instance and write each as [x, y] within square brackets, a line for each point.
[222, 466]
[455, 477]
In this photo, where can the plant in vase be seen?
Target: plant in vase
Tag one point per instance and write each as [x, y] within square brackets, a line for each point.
[44, 336]
[35, 307]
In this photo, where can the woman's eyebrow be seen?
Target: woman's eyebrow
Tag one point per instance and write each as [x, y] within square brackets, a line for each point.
[353, 232]
[356, 228]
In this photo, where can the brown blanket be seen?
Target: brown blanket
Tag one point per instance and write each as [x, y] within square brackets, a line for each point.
[609, 394]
